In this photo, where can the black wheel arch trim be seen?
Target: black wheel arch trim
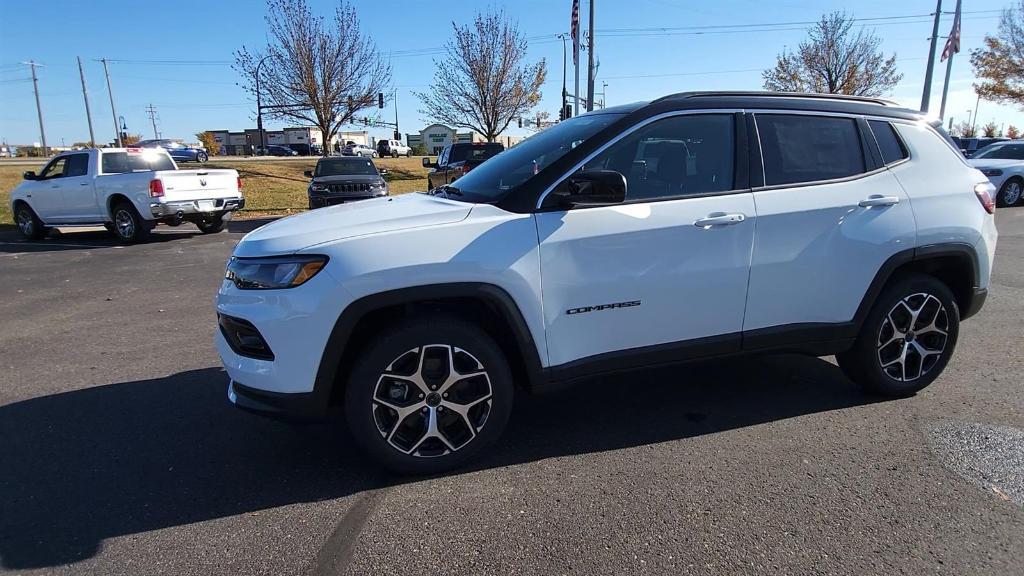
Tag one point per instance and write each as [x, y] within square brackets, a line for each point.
[492, 295]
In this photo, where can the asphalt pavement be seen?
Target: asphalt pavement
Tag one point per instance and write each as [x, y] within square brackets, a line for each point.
[119, 453]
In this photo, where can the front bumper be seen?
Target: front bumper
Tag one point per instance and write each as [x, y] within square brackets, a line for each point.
[310, 406]
[203, 206]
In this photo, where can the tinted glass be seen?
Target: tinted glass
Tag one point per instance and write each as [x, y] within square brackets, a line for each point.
[55, 169]
[493, 179]
[889, 143]
[123, 162]
[345, 167]
[474, 152]
[1003, 152]
[808, 148]
[78, 165]
[679, 156]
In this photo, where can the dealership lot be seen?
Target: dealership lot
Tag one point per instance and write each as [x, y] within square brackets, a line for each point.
[121, 454]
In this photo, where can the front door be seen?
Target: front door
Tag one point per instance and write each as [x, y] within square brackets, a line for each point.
[45, 195]
[663, 275]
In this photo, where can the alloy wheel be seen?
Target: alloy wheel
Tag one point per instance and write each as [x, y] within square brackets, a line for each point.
[913, 337]
[25, 223]
[1011, 194]
[125, 224]
[432, 400]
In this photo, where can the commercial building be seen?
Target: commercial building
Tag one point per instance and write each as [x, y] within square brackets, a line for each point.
[303, 139]
[435, 137]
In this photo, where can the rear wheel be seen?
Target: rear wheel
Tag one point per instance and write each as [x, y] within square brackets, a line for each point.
[29, 224]
[202, 157]
[1010, 192]
[129, 227]
[429, 394]
[211, 224]
[906, 340]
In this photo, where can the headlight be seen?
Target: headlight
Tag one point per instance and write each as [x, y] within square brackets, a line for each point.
[318, 187]
[273, 273]
[992, 172]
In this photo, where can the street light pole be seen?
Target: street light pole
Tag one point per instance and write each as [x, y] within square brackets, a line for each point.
[259, 107]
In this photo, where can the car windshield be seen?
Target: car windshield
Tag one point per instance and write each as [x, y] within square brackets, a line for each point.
[1002, 152]
[345, 167]
[491, 180]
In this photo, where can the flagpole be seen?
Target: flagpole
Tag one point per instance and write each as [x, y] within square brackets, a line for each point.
[954, 47]
[576, 66]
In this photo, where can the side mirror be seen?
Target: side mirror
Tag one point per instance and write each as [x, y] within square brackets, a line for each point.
[383, 171]
[29, 175]
[308, 173]
[428, 164]
[593, 187]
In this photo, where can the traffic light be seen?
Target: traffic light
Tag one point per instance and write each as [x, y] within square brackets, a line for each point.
[520, 119]
[397, 135]
[568, 111]
[380, 99]
[561, 113]
[366, 120]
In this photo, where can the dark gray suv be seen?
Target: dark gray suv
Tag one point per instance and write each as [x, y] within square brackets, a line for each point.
[337, 180]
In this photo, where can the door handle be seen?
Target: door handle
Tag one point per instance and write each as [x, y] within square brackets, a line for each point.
[719, 219]
[877, 200]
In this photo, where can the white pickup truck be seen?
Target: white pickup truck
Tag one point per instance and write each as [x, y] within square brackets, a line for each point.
[127, 190]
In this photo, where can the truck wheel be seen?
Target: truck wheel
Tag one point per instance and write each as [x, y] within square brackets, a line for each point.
[408, 154]
[30, 226]
[129, 227]
[202, 157]
[428, 394]
[907, 338]
[394, 154]
[211, 225]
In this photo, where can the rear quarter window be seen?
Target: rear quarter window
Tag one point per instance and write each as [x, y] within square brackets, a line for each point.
[807, 148]
[889, 144]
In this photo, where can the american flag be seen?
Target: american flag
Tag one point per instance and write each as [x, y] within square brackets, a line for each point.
[953, 42]
[574, 29]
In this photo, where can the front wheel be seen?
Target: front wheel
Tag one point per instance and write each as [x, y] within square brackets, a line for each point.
[427, 395]
[30, 226]
[1009, 193]
[906, 340]
[202, 157]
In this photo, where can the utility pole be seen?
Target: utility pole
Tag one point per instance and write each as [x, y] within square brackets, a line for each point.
[39, 108]
[85, 96]
[152, 118]
[397, 134]
[926, 96]
[259, 108]
[576, 56]
[590, 61]
[561, 111]
[974, 122]
[113, 112]
[949, 61]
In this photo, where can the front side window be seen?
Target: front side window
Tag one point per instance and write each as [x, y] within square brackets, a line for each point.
[680, 156]
[55, 169]
[807, 148]
[1002, 152]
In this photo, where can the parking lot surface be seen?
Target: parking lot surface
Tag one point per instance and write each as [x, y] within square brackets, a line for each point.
[119, 453]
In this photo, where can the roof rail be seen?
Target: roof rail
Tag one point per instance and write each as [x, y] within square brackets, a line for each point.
[760, 94]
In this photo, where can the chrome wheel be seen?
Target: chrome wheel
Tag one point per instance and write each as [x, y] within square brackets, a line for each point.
[913, 337]
[26, 223]
[432, 400]
[1011, 193]
[125, 224]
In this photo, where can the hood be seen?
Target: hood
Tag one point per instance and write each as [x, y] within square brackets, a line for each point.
[386, 214]
[346, 178]
[994, 163]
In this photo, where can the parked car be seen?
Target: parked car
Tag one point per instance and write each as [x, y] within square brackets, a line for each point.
[970, 146]
[456, 160]
[358, 150]
[276, 151]
[127, 190]
[341, 179]
[177, 150]
[1003, 163]
[699, 225]
[393, 148]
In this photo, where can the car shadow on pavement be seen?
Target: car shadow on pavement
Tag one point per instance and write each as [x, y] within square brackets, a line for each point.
[120, 459]
[11, 242]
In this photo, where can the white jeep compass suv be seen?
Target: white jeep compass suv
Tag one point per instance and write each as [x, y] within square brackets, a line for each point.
[698, 225]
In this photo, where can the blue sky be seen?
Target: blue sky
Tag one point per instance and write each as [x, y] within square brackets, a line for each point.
[636, 64]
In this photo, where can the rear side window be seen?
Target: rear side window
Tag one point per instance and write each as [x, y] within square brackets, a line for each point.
[801, 148]
[889, 143]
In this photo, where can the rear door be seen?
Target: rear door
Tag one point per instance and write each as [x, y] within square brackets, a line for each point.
[828, 216]
[77, 190]
[662, 276]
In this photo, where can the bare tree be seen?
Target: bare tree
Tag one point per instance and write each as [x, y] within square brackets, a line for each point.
[484, 81]
[989, 130]
[1000, 64]
[835, 60]
[965, 129]
[316, 71]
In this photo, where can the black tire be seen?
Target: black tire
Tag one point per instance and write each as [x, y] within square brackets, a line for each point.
[394, 154]
[202, 157]
[30, 226]
[864, 362]
[211, 225]
[129, 227]
[408, 154]
[378, 429]
[1011, 186]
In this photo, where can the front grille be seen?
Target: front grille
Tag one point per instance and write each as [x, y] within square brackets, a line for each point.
[348, 187]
